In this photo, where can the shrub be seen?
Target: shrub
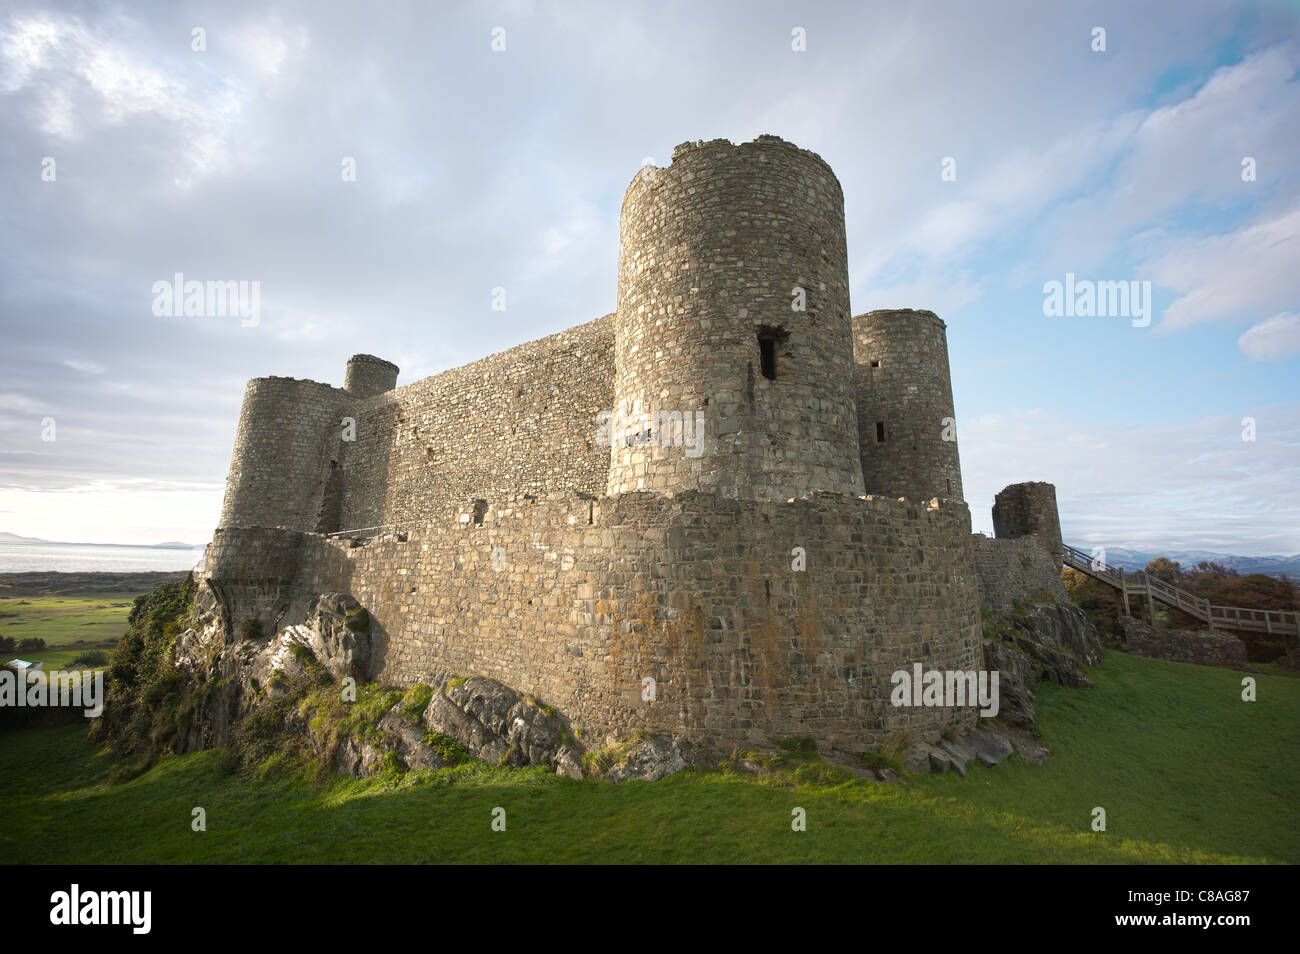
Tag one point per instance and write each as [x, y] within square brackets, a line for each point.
[143, 706]
[91, 659]
[452, 752]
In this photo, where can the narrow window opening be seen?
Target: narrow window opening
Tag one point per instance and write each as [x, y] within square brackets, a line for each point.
[767, 357]
[880, 432]
[949, 483]
[875, 364]
[768, 338]
[480, 511]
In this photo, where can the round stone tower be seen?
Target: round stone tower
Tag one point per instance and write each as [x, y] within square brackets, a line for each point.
[1029, 508]
[288, 432]
[367, 376]
[907, 429]
[733, 319]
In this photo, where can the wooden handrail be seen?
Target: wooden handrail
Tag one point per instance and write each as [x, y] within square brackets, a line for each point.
[1142, 583]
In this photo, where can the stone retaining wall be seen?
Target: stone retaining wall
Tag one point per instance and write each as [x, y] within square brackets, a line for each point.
[1203, 647]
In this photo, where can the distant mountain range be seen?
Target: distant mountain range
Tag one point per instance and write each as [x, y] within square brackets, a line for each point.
[1268, 565]
[167, 545]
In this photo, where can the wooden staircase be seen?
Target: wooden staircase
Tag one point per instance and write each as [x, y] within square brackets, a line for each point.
[1142, 584]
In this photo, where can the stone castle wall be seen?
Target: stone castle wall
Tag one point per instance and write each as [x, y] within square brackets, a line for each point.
[1203, 647]
[253, 573]
[578, 601]
[712, 249]
[1014, 569]
[523, 421]
[907, 435]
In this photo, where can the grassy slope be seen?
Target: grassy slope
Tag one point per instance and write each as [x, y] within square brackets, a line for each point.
[1186, 772]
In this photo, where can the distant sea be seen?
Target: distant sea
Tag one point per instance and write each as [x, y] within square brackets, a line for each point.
[70, 558]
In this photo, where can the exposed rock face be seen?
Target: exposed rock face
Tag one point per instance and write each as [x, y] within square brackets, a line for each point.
[1203, 647]
[1061, 638]
[1051, 641]
[1018, 676]
[654, 758]
[338, 633]
[229, 672]
[494, 724]
[981, 746]
[409, 742]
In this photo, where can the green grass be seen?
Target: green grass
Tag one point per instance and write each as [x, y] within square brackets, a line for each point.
[1186, 773]
[68, 624]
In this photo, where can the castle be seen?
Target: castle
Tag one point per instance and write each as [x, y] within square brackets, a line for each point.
[729, 510]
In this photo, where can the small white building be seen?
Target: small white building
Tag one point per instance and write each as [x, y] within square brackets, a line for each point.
[23, 665]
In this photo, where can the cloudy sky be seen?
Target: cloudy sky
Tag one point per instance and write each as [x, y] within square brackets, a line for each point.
[479, 168]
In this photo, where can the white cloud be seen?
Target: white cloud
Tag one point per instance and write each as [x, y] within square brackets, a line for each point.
[1276, 337]
[1240, 275]
[22, 403]
[79, 82]
[111, 512]
[86, 367]
[265, 46]
[1186, 155]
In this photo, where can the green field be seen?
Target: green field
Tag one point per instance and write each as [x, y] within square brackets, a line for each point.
[69, 624]
[1186, 771]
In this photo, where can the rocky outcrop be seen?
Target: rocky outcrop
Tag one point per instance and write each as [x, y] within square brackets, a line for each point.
[652, 758]
[979, 746]
[337, 632]
[1049, 641]
[1018, 674]
[494, 723]
[226, 672]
